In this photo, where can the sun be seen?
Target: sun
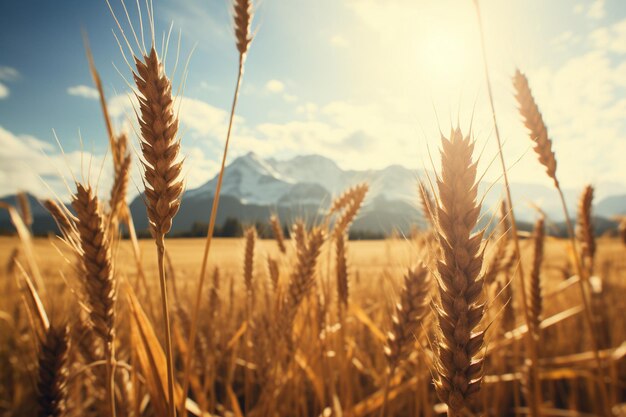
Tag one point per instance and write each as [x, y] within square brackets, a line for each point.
[444, 47]
[443, 55]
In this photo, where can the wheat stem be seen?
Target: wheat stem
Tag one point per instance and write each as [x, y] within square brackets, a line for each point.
[166, 319]
[584, 280]
[535, 401]
[207, 247]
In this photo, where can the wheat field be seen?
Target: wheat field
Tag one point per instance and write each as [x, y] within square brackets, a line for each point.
[454, 319]
[321, 372]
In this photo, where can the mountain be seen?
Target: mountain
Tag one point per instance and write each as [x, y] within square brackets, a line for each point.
[302, 187]
[42, 221]
[614, 205]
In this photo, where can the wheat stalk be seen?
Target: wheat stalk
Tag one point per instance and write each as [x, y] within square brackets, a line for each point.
[274, 272]
[408, 316]
[505, 220]
[24, 206]
[64, 220]
[299, 235]
[543, 147]
[242, 16]
[100, 287]
[345, 198]
[341, 269]
[53, 359]
[459, 368]
[584, 228]
[248, 275]
[163, 188]
[535, 400]
[302, 278]
[278, 233]
[248, 264]
[536, 305]
[349, 204]
[427, 203]
[117, 199]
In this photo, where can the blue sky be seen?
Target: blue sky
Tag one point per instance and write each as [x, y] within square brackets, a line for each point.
[365, 82]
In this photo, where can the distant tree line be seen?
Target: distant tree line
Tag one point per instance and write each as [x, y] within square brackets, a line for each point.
[233, 227]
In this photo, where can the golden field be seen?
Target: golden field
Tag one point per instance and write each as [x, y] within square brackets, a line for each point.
[370, 260]
[375, 271]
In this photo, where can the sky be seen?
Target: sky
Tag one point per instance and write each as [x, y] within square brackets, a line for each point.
[367, 83]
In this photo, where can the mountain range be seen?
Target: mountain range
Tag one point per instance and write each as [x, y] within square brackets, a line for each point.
[253, 188]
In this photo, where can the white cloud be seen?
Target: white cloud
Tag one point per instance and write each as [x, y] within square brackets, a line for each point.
[210, 87]
[30, 164]
[309, 109]
[566, 39]
[83, 91]
[9, 73]
[4, 91]
[339, 41]
[290, 98]
[610, 38]
[274, 86]
[36, 166]
[204, 119]
[597, 10]
[197, 117]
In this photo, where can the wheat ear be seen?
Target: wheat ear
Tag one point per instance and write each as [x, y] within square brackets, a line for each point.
[341, 268]
[278, 233]
[65, 221]
[408, 315]
[427, 203]
[459, 368]
[302, 278]
[345, 198]
[117, 200]
[533, 120]
[53, 361]
[159, 144]
[407, 318]
[584, 228]
[299, 235]
[242, 16]
[274, 272]
[349, 204]
[95, 253]
[248, 263]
